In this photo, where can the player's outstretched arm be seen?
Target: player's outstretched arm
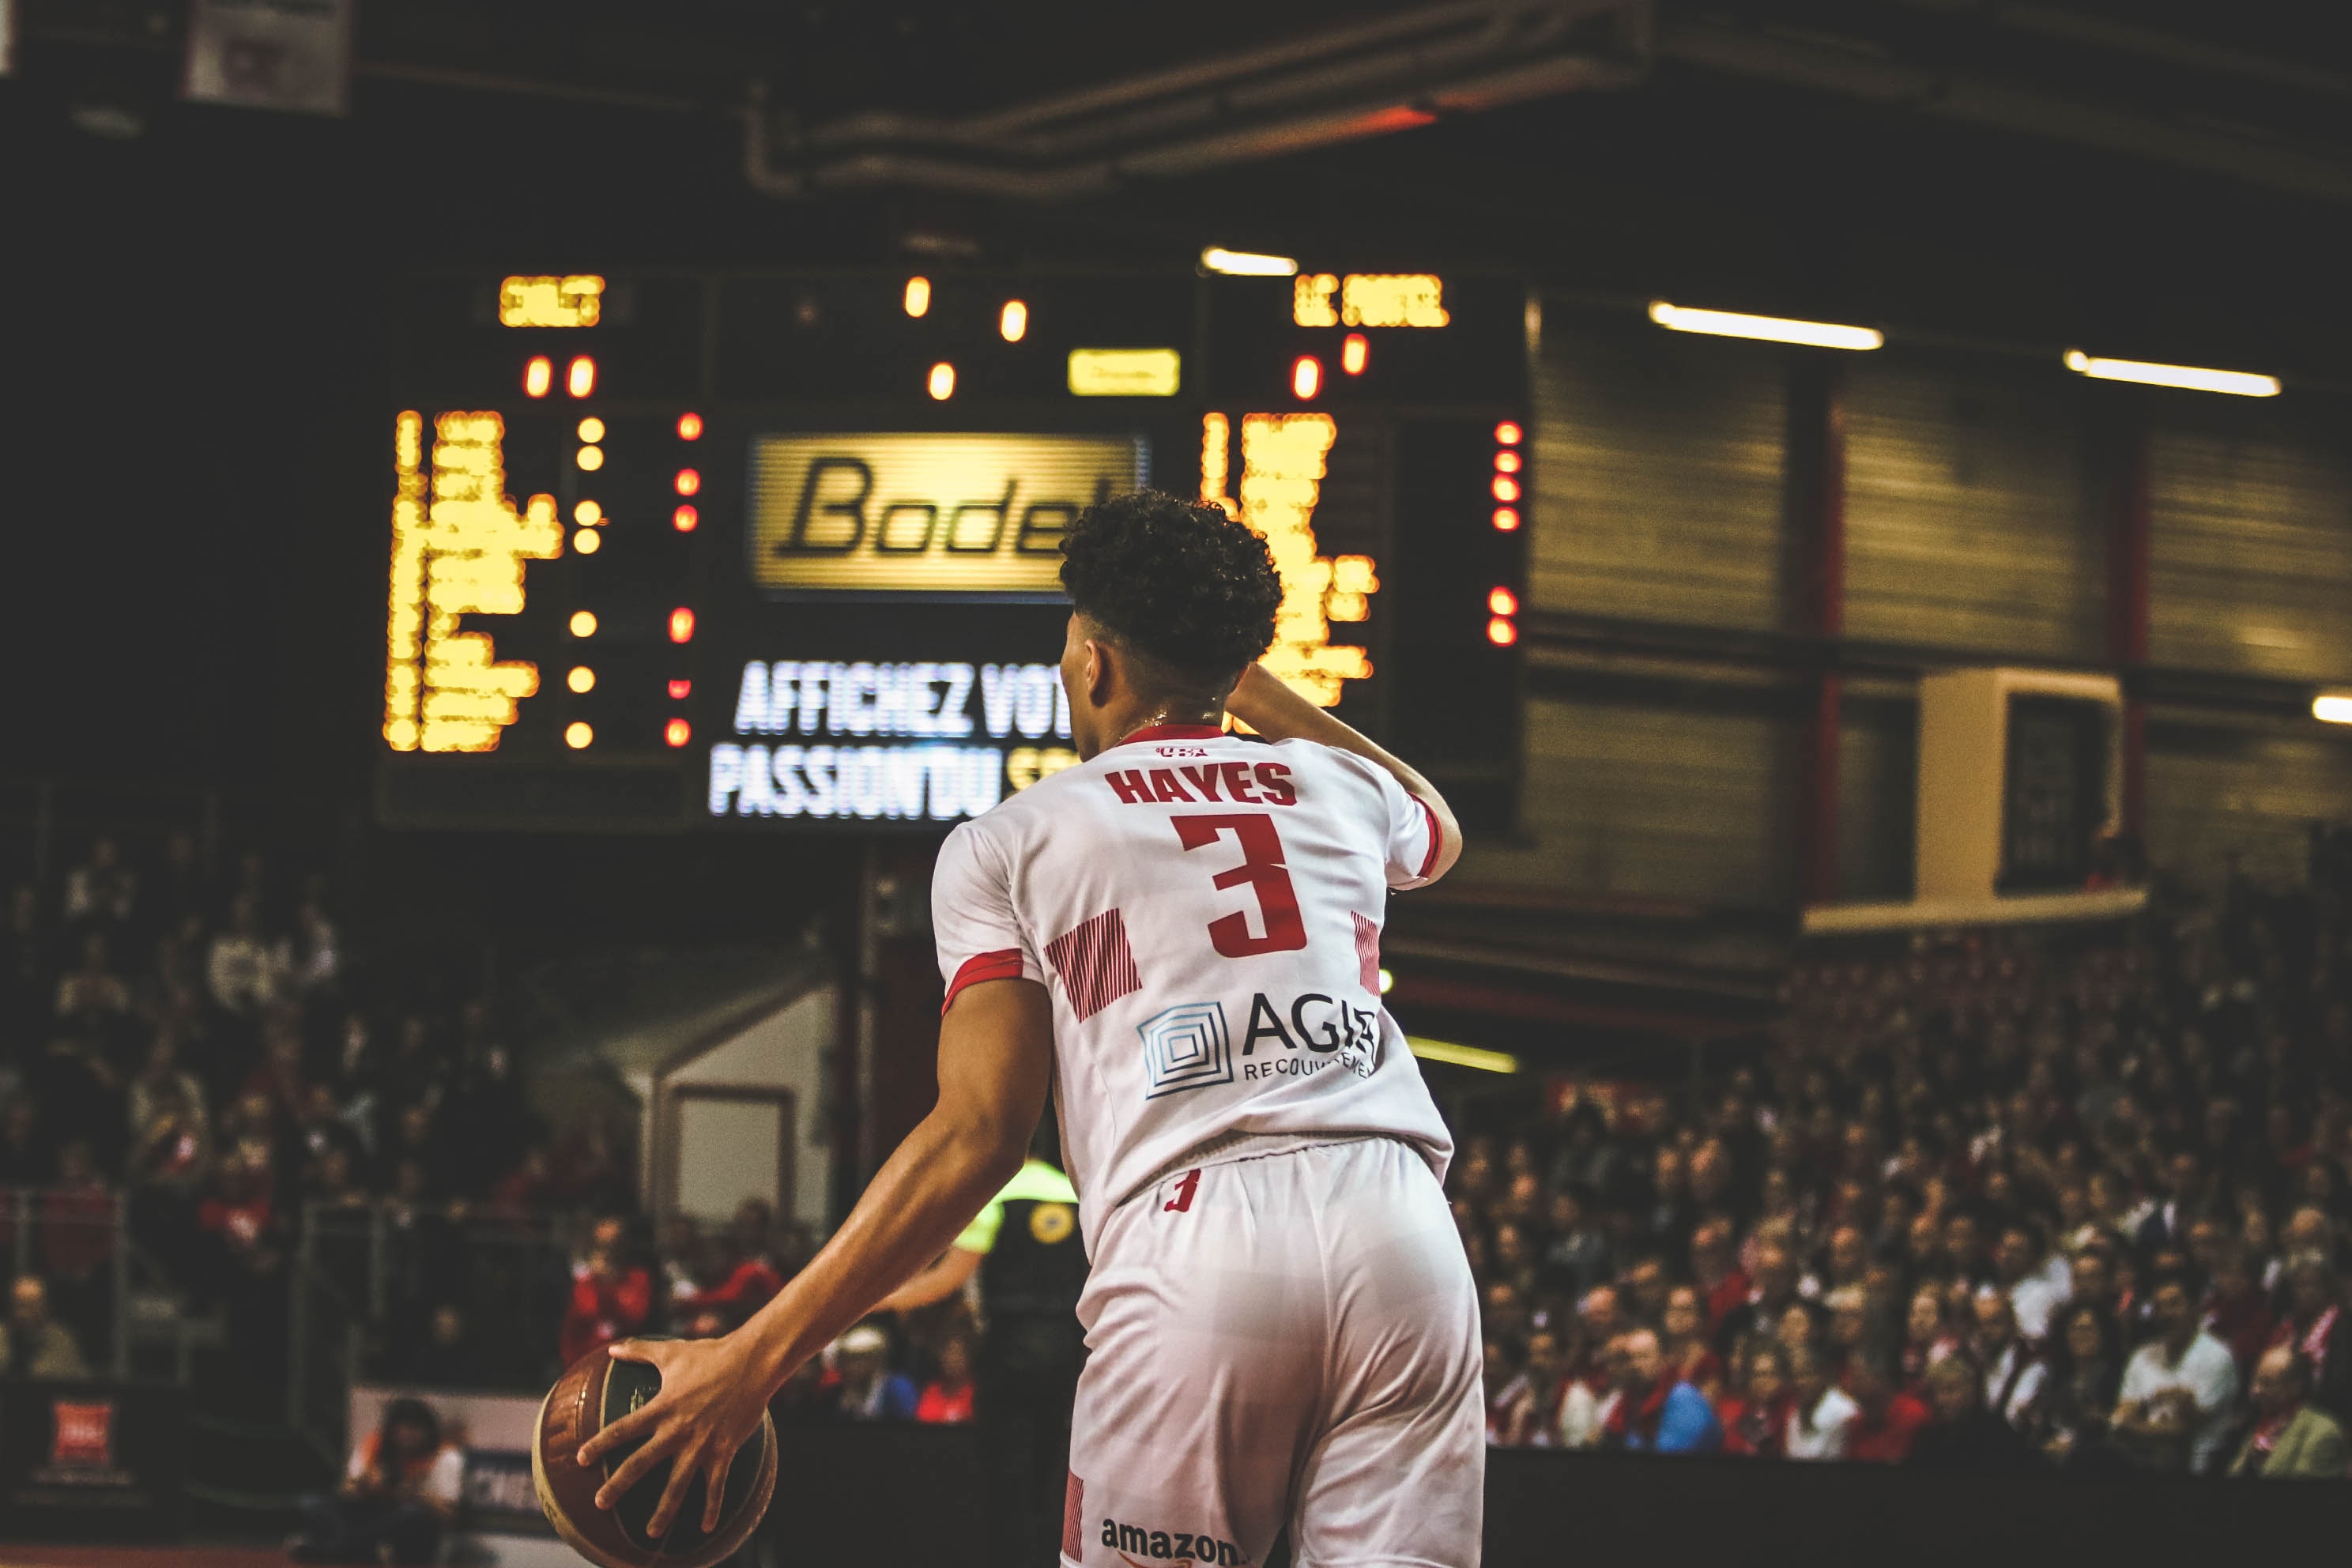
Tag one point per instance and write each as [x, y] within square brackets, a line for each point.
[1278, 713]
[996, 1046]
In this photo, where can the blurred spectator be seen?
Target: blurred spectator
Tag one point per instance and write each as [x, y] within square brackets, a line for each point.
[1576, 1254]
[1682, 1336]
[1965, 1434]
[34, 1344]
[1651, 1411]
[610, 1300]
[869, 1390]
[1524, 1413]
[161, 1076]
[946, 1399]
[101, 890]
[1756, 1419]
[27, 1157]
[2292, 1439]
[243, 970]
[2079, 1395]
[2313, 1319]
[1928, 1336]
[74, 1227]
[26, 987]
[2013, 1374]
[745, 1275]
[446, 1357]
[2173, 1411]
[93, 999]
[1886, 1420]
[400, 1490]
[2032, 1276]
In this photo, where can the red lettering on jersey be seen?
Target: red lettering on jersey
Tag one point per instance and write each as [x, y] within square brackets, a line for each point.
[1202, 779]
[1274, 778]
[1165, 787]
[1183, 1202]
[1237, 783]
[1131, 787]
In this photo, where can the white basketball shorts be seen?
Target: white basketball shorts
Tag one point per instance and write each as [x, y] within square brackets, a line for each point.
[1288, 1338]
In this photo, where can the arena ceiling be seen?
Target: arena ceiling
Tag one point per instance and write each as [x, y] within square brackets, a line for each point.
[2177, 173]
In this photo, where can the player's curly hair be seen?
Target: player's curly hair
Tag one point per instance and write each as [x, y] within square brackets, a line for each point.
[1184, 585]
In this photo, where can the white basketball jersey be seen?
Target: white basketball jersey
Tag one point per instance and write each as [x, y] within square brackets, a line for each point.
[1206, 912]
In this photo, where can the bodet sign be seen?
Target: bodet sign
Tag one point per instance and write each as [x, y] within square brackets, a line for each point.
[907, 513]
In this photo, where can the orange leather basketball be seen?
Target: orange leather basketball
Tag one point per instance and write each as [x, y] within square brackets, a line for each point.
[598, 1390]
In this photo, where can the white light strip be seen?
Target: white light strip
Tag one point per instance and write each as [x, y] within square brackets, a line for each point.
[1770, 329]
[1462, 1055]
[1248, 264]
[2237, 383]
[2332, 707]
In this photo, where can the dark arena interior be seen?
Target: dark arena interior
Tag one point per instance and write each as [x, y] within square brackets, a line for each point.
[529, 524]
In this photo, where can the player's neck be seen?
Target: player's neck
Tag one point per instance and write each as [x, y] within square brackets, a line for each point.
[1123, 723]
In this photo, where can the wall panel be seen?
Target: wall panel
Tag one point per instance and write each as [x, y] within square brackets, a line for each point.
[2212, 793]
[2251, 549]
[1633, 797]
[1971, 520]
[1657, 469]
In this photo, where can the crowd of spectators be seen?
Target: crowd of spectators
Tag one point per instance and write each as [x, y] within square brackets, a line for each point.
[1981, 1201]
[1985, 1203]
[193, 1047]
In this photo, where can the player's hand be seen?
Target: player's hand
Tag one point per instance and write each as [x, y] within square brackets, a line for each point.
[710, 1401]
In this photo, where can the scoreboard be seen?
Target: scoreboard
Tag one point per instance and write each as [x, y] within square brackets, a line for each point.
[745, 552]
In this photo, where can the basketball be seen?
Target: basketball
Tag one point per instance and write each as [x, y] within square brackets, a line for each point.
[599, 1389]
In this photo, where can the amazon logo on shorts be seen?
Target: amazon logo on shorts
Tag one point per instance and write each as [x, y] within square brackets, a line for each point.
[1140, 1546]
[907, 513]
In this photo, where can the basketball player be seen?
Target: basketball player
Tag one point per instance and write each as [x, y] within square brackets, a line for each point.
[1181, 934]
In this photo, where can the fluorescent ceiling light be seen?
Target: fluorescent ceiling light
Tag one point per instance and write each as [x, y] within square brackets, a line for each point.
[1771, 329]
[1248, 264]
[1462, 1055]
[2237, 383]
[2332, 707]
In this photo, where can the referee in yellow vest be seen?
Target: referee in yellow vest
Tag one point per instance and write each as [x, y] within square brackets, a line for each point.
[1025, 1247]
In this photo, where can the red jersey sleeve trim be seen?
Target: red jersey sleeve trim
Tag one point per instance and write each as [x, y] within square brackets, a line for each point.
[1428, 861]
[1004, 965]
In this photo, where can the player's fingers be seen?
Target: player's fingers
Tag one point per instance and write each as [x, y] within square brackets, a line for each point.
[637, 1424]
[714, 1491]
[647, 1352]
[681, 1477]
[633, 1470]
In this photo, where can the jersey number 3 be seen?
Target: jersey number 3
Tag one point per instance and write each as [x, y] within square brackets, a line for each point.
[1262, 869]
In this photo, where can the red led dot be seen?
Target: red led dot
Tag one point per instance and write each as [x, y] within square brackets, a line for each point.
[1507, 518]
[678, 731]
[1355, 353]
[689, 427]
[684, 519]
[681, 624]
[1503, 601]
[1506, 488]
[1501, 633]
[678, 690]
[689, 481]
[1306, 376]
[1506, 434]
[1506, 462]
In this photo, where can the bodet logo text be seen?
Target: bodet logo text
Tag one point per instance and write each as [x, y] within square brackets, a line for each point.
[927, 513]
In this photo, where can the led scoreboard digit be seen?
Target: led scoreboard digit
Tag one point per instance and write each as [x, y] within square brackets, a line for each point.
[749, 551]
